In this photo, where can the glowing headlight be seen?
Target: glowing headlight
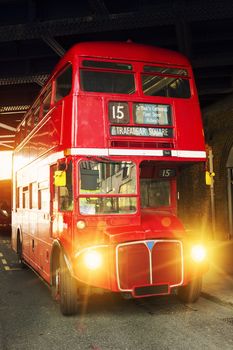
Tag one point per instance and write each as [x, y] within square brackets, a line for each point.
[198, 253]
[81, 224]
[92, 260]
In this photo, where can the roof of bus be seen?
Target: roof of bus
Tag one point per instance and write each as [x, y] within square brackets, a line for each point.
[125, 51]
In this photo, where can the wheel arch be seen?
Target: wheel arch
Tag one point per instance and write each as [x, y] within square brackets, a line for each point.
[58, 249]
[19, 239]
[54, 258]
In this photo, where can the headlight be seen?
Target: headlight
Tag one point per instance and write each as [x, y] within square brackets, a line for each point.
[198, 253]
[92, 260]
[81, 224]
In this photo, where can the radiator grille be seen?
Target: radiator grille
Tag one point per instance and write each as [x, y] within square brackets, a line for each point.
[133, 265]
[141, 264]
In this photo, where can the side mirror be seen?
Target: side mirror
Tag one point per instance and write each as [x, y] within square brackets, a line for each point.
[60, 178]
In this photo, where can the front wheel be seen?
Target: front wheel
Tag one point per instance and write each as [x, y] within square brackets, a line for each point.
[191, 292]
[65, 288]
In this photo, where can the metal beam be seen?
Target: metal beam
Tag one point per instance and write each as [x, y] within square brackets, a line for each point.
[7, 141]
[99, 7]
[6, 145]
[31, 10]
[13, 109]
[213, 60]
[183, 37]
[27, 79]
[7, 127]
[54, 45]
[6, 137]
[215, 91]
[160, 14]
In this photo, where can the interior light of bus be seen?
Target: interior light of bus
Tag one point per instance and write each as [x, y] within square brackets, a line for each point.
[198, 253]
[92, 260]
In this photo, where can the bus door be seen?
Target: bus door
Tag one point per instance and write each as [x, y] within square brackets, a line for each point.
[25, 222]
[61, 208]
[43, 225]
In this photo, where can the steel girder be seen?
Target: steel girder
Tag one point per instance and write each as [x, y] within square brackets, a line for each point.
[163, 13]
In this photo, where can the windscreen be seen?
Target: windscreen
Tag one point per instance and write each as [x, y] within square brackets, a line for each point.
[107, 187]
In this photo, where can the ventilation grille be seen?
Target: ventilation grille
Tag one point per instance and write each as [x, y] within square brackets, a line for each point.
[144, 145]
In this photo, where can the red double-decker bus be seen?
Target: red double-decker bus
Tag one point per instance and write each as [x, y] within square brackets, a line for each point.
[95, 174]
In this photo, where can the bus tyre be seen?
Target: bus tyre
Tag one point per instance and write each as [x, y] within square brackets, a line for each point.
[191, 292]
[68, 290]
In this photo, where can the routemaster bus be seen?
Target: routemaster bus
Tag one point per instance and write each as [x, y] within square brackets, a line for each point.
[96, 164]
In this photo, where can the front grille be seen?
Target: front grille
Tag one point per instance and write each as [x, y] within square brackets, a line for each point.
[133, 265]
[166, 263]
[143, 263]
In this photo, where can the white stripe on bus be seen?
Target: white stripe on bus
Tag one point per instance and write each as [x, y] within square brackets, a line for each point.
[133, 152]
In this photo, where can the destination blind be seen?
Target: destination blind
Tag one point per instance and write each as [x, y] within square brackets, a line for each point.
[141, 131]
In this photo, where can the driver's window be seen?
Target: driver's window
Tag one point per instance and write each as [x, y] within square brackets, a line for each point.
[154, 193]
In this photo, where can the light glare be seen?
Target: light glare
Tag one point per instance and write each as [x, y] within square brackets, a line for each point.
[81, 224]
[93, 260]
[5, 165]
[198, 253]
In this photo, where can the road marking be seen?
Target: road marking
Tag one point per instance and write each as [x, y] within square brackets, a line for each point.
[6, 268]
[1, 255]
[4, 261]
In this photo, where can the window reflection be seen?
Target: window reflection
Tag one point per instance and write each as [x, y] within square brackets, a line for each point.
[155, 85]
[114, 180]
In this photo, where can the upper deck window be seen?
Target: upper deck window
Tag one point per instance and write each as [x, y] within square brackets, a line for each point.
[165, 70]
[107, 65]
[102, 77]
[46, 100]
[167, 82]
[63, 83]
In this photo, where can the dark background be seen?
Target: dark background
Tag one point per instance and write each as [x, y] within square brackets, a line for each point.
[35, 33]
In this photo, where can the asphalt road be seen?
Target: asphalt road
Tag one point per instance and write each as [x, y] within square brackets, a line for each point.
[30, 319]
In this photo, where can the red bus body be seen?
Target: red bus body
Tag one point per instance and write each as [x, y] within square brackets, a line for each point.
[119, 120]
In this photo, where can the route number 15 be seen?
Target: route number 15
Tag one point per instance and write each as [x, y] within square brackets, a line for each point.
[118, 112]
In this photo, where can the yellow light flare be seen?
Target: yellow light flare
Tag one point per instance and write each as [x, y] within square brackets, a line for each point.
[5, 165]
[198, 253]
[92, 260]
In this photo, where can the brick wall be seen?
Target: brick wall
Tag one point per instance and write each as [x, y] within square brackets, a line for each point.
[195, 205]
